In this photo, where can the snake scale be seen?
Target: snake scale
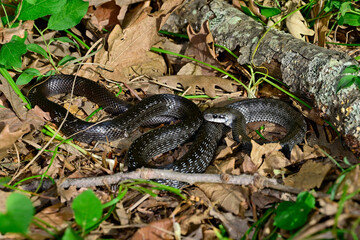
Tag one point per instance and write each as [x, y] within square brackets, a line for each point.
[158, 109]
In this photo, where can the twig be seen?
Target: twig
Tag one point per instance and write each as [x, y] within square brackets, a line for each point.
[147, 173]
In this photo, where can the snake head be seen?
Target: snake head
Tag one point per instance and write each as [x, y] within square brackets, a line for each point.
[221, 115]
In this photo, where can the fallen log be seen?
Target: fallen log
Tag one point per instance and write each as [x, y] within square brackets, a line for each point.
[311, 71]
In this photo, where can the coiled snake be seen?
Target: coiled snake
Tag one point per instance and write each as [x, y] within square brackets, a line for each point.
[159, 109]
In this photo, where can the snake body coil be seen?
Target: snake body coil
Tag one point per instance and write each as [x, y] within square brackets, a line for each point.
[157, 109]
[152, 110]
[238, 114]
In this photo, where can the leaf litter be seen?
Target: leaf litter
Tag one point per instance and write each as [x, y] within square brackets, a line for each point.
[127, 57]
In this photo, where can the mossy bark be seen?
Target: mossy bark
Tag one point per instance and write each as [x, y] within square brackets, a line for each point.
[311, 71]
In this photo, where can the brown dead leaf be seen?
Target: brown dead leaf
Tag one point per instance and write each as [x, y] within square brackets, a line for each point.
[352, 180]
[155, 230]
[273, 160]
[308, 153]
[202, 48]
[224, 152]
[104, 15]
[97, 2]
[127, 2]
[16, 103]
[267, 157]
[206, 83]
[258, 152]
[228, 166]
[311, 175]
[255, 9]
[194, 220]
[328, 208]
[248, 166]
[296, 23]
[56, 215]
[230, 197]
[12, 128]
[235, 225]
[129, 47]
[7, 33]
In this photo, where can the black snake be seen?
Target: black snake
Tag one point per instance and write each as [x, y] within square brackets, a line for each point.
[159, 109]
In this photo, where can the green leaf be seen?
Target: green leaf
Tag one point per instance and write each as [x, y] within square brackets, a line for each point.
[11, 52]
[4, 180]
[70, 15]
[350, 19]
[351, 69]
[66, 59]
[290, 216]
[37, 49]
[71, 235]
[307, 198]
[34, 9]
[346, 81]
[248, 12]
[357, 81]
[87, 209]
[268, 11]
[27, 76]
[20, 212]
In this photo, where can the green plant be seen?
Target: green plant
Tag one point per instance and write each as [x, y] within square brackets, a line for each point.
[344, 11]
[292, 215]
[19, 213]
[351, 76]
[87, 208]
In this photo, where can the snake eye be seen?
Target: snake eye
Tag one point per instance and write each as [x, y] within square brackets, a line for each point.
[215, 116]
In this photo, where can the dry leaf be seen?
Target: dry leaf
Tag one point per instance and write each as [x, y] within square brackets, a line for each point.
[258, 152]
[12, 128]
[229, 197]
[206, 83]
[248, 166]
[297, 25]
[129, 47]
[105, 15]
[56, 215]
[7, 33]
[311, 175]
[155, 230]
[201, 47]
[267, 157]
[273, 160]
[97, 2]
[16, 103]
[352, 180]
[194, 220]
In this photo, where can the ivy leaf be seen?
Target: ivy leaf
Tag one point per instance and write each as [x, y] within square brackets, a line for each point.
[20, 212]
[11, 52]
[70, 15]
[34, 9]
